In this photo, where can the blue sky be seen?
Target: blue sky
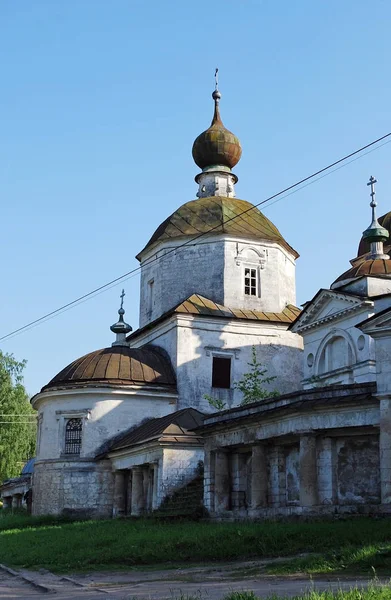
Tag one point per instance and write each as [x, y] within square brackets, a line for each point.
[100, 103]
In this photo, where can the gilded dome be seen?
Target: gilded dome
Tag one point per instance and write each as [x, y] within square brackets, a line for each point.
[216, 145]
[220, 215]
[119, 365]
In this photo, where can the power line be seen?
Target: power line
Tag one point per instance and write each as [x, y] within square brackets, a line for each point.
[115, 281]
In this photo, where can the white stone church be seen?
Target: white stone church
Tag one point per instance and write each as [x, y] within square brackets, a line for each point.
[125, 427]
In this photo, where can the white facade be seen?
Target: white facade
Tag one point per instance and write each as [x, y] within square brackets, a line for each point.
[335, 351]
[192, 342]
[105, 411]
[217, 272]
[80, 485]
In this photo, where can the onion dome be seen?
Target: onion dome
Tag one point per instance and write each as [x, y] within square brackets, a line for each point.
[120, 328]
[216, 146]
[220, 215]
[118, 365]
[385, 222]
[373, 263]
[375, 232]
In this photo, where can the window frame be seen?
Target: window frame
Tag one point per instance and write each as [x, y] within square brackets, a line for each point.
[63, 416]
[68, 439]
[255, 277]
[225, 358]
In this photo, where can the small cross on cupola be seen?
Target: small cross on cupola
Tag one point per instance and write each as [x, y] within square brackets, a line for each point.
[120, 328]
[375, 234]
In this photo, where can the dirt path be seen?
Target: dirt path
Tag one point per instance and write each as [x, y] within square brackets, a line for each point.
[209, 583]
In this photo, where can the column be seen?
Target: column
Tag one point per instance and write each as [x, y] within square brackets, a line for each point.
[146, 487]
[385, 449]
[128, 484]
[276, 480]
[155, 486]
[258, 477]
[7, 500]
[209, 486]
[222, 482]
[308, 471]
[326, 471]
[235, 480]
[137, 491]
[119, 494]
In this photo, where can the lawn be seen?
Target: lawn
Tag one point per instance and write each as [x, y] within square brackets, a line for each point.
[122, 543]
[374, 592]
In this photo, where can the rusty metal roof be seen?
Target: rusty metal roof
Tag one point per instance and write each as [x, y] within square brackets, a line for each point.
[119, 365]
[367, 268]
[198, 305]
[173, 427]
[215, 214]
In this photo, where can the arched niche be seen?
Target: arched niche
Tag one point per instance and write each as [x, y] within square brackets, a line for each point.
[336, 351]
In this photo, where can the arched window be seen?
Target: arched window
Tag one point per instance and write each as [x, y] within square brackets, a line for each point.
[73, 431]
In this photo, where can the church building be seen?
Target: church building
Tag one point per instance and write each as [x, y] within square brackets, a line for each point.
[119, 430]
[125, 430]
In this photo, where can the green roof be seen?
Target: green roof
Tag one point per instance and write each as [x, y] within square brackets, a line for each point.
[218, 214]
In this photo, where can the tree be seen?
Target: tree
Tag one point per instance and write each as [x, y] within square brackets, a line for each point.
[251, 385]
[17, 418]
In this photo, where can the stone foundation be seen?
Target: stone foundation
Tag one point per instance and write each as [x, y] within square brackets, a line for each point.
[78, 488]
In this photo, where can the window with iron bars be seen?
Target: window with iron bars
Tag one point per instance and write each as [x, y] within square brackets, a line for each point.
[73, 430]
[250, 281]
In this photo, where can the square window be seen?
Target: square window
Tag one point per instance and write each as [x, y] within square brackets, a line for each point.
[221, 372]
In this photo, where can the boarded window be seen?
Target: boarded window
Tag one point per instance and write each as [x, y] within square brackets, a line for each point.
[73, 430]
[250, 281]
[221, 372]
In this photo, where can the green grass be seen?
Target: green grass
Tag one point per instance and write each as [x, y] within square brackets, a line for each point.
[349, 559]
[373, 592]
[92, 545]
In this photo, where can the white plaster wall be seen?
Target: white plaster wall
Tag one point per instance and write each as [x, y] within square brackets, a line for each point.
[105, 413]
[323, 418]
[177, 274]
[363, 348]
[179, 468]
[214, 268]
[198, 339]
[363, 351]
[201, 339]
[276, 275]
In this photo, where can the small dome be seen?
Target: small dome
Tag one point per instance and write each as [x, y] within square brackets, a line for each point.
[216, 213]
[364, 246]
[377, 267]
[117, 365]
[216, 145]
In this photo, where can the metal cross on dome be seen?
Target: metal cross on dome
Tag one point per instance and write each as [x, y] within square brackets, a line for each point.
[122, 296]
[216, 78]
[372, 182]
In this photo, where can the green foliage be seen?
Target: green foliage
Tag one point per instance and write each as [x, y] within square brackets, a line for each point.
[127, 542]
[216, 403]
[252, 383]
[17, 427]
